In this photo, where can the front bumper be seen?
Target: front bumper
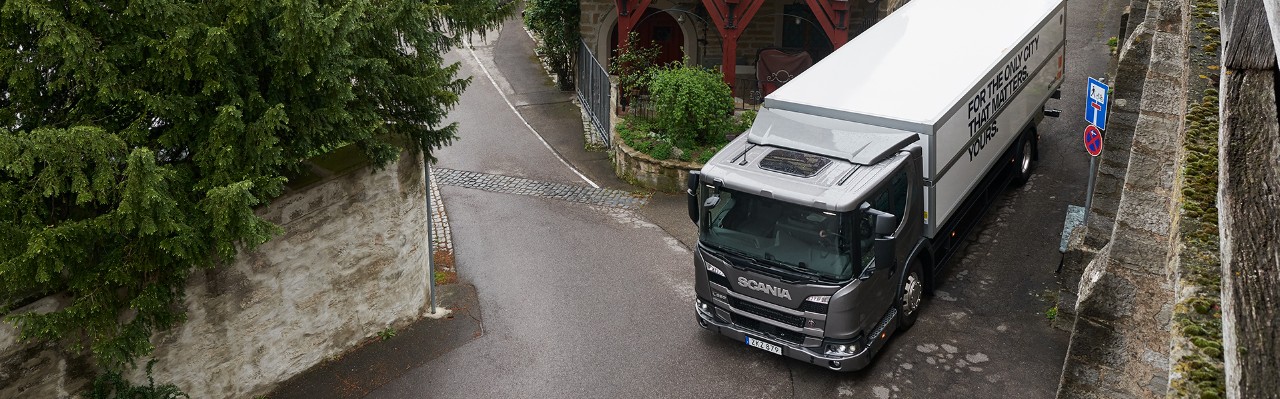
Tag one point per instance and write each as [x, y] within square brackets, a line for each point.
[838, 363]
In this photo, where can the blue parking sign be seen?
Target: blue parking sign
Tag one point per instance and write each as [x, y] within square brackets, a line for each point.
[1095, 109]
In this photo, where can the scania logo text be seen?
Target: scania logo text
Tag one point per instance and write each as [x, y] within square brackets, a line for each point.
[766, 288]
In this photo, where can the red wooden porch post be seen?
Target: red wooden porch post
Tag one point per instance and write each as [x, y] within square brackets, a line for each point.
[629, 13]
[731, 18]
[834, 17]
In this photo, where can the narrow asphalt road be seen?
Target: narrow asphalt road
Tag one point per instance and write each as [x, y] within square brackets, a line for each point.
[586, 298]
[577, 300]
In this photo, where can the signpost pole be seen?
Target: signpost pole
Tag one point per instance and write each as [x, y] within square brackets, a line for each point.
[1095, 113]
[1088, 196]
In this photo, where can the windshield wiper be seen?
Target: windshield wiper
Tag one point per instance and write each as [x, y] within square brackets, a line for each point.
[809, 275]
[719, 250]
[789, 272]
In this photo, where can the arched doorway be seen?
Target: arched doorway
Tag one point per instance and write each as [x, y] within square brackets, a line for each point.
[659, 28]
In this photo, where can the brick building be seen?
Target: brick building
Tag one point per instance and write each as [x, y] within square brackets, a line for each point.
[702, 32]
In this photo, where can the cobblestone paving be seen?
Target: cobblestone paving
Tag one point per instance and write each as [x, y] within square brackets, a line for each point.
[441, 235]
[516, 185]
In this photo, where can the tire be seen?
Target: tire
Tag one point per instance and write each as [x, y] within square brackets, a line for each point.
[1024, 158]
[911, 296]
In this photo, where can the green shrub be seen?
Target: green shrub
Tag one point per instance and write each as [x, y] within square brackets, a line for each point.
[556, 22]
[113, 385]
[706, 153]
[661, 150]
[743, 121]
[637, 133]
[692, 106]
[633, 65]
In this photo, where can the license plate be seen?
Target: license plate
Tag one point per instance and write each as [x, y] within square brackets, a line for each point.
[767, 347]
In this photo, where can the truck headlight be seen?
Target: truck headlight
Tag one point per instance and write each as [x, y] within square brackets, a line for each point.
[848, 349]
[845, 348]
[715, 270]
[823, 299]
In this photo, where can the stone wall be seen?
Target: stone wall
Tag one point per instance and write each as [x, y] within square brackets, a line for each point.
[597, 18]
[1124, 264]
[351, 263]
[1133, 56]
[645, 171]
[39, 370]
[885, 7]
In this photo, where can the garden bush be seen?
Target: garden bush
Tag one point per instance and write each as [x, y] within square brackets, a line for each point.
[638, 133]
[633, 64]
[692, 106]
[556, 22]
[692, 113]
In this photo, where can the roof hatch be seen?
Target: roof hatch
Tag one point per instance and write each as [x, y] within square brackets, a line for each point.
[793, 163]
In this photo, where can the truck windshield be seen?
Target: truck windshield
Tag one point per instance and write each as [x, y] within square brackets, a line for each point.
[780, 233]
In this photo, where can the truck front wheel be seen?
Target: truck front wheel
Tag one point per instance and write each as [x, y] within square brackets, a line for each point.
[911, 297]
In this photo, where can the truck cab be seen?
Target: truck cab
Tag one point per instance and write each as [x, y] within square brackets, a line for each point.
[822, 226]
[799, 237]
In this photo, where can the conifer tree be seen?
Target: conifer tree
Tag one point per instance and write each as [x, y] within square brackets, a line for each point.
[136, 137]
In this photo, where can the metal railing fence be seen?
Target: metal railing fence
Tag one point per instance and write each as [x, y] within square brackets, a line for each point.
[593, 90]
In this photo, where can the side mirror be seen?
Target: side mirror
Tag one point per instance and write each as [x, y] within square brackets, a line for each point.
[885, 224]
[691, 189]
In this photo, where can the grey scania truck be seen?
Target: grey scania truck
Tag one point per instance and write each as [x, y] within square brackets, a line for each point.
[822, 226]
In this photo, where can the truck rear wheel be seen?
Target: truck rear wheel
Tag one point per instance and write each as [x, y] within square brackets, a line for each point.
[911, 297]
[1024, 158]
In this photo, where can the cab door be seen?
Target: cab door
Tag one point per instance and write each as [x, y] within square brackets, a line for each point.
[892, 196]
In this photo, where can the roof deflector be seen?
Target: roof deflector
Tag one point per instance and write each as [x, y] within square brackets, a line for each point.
[858, 143]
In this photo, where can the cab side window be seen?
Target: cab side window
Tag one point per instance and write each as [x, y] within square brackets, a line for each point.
[866, 237]
[897, 192]
[891, 198]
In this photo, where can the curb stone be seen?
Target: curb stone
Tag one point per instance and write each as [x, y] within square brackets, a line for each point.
[442, 237]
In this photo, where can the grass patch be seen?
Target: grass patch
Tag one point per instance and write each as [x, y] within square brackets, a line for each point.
[1050, 296]
[386, 333]
[445, 272]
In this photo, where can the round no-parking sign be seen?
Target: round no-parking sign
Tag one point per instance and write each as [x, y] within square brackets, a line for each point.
[1092, 140]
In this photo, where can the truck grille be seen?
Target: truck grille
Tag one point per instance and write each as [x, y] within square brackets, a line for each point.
[813, 307]
[791, 320]
[768, 330]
